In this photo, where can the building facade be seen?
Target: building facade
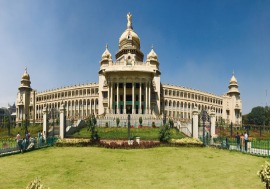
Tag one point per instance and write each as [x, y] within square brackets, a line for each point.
[128, 85]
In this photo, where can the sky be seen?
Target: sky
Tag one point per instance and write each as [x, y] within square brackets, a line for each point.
[199, 43]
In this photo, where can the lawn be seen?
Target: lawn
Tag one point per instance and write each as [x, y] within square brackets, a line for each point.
[122, 133]
[163, 167]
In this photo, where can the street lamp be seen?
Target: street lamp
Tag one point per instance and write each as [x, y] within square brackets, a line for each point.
[128, 127]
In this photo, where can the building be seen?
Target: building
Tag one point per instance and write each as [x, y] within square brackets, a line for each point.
[128, 85]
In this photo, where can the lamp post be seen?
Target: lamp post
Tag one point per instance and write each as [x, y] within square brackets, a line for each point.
[128, 127]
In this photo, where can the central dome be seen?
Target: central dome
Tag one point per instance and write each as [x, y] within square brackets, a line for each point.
[129, 38]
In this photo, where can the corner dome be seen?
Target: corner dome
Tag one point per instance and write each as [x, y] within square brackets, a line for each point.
[152, 55]
[106, 54]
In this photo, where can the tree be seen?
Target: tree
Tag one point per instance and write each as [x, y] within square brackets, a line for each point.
[7, 124]
[171, 123]
[257, 116]
[165, 133]
[91, 123]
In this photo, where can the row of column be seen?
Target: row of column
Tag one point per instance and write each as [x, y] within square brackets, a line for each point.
[80, 110]
[147, 97]
[72, 110]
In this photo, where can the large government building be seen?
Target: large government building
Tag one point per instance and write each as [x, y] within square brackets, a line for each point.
[130, 84]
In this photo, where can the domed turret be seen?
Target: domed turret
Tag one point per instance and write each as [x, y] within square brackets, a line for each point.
[106, 54]
[152, 55]
[25, 82]
[25, 75]
[233, 86]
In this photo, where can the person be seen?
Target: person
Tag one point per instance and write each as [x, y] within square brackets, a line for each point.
[242, 141]
[24, 144]
[246, 140]
[237, 137]
[39, 139]
[18, 138]
[227, 143]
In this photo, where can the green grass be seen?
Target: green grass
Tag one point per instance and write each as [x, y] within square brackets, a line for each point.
[167, 167]
[13, 131]
[122, 133]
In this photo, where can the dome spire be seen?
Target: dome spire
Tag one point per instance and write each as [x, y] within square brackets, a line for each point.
[129, 21]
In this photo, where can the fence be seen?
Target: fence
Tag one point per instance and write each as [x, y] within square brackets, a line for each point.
[253, 146]
[9, 145]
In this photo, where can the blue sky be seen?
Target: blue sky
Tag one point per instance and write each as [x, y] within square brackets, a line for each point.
[199, 43]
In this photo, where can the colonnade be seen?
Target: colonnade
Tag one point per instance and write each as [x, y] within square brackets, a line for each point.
[77, 109]
[129, 97]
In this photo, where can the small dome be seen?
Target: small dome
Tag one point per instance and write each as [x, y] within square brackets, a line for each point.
[25, 75]
[106, 54]
[152, 54]
[233, 80]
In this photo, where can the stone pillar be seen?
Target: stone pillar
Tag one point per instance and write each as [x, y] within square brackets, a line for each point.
[195, 123]
[117, 98]
[124, 85]
[213, 123]
[149, 97]
[146, 97]
[109, 100]
[62, 129]
[140, 99]
[45, 122]
[133, 95]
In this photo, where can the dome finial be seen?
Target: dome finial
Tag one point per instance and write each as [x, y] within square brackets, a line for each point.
[129, 19]
[233, 72]
[152, 46]
[25, 69]
[106, 45]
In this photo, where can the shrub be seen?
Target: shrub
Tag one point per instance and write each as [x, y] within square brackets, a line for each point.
[165, 134]
[35, 184]
[106, 125]
[264, 174]
[117, 122]
[186, 142]
[171, 123]
[91, 123]
[153, 124]
[73, 143]
[140, 121]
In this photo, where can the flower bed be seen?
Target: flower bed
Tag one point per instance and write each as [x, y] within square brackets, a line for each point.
[125, 145]
[73, 142]
[113, 144]
[186, 142]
